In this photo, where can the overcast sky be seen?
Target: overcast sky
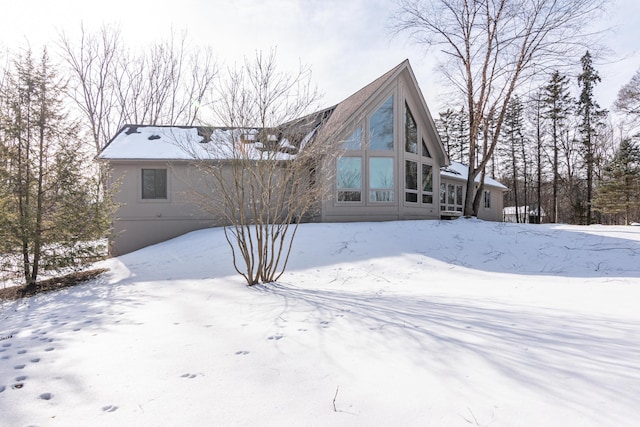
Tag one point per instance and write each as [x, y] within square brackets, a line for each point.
[347, 43]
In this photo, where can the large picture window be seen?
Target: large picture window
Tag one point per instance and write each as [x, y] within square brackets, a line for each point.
[381, 127]
[381, 183]
[154, 183]
[349, 179]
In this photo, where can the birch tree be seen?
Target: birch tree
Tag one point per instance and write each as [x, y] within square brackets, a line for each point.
[489, 48]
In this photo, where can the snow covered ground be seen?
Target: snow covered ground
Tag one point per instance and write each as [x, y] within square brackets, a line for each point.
[432, 323]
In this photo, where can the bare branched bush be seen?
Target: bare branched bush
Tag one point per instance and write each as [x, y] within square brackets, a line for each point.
[259, 169]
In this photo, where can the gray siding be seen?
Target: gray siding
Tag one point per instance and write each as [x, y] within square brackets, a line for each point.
[139, 223]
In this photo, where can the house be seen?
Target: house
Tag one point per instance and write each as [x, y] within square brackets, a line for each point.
[453, 185]
[392, 166]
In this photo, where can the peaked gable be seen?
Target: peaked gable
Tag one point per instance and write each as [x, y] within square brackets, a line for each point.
[347, 111]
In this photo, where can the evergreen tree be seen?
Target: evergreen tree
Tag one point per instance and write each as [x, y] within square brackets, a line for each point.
[590, 117]
[50, 212]
[445, 126]
[557, 107]
[453, 127]
[619, 191]
[537, 121]
[516, 154]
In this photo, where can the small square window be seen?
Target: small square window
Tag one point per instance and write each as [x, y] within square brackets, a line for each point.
[154, 183]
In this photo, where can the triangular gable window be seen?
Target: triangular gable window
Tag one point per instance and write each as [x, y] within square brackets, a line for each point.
[411, 132]
[425, 150]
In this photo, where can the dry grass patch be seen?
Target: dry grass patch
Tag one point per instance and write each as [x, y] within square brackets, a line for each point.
[53, 284]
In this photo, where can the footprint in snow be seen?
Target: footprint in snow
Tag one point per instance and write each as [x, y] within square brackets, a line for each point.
[2, 388]
[35, 360]
[46, 396]
[275, 337]
[48, 349]
[22, 351]
[109, 408]
[241, 352]
[188, 375]
[7, 344]
[18, 367]
[21, 378]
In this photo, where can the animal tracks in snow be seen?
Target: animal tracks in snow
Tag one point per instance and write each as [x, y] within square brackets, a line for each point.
[109, 408]
[275, 337]
[188, 375]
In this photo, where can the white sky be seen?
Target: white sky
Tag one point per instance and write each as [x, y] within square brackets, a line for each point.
[347, 43]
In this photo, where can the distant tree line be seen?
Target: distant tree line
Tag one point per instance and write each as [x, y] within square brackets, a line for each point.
[559, 153]
[554, 149]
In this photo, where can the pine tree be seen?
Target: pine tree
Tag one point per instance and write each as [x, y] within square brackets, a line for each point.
[453, 128]
[619, 191]
[591, 116]
[536, 120]
[445, 125]
[557, 107]
[516, 153]
[50, 212]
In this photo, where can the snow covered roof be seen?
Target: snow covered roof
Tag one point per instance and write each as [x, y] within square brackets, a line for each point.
[135, 142]
[460, 172]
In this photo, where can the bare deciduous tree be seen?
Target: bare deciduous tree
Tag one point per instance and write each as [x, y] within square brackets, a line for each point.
[92, 61]
[490, 47]
[260, 166]
[628, 99]
[166, 83]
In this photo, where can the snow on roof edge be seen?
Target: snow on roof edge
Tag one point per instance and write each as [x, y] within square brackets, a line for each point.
[460, 171]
